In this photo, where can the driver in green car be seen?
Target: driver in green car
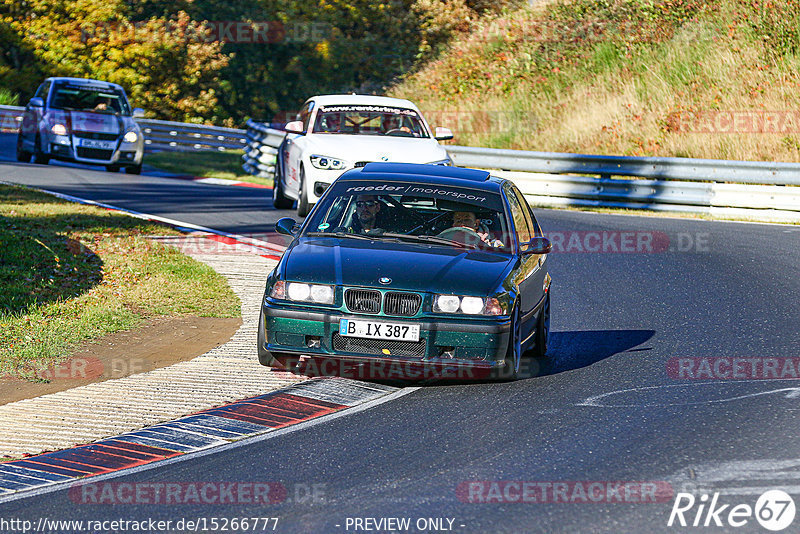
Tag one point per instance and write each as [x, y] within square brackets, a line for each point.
[468, 220]
[367, 217]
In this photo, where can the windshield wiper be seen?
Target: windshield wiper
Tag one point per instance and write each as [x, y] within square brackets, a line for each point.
[429, 239]
[340, 235]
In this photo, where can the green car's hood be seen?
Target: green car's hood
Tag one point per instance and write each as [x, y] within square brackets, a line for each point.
[413, 267]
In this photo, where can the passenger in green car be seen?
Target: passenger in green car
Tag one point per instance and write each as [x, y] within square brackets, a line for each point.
[469, 221]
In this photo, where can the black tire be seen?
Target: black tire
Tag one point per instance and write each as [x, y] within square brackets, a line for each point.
[38, 156]
[279, 200]
[23, 156]
[510, 370]
[542, 336]
[134, 169]
[112, 168]
[303, 207]
[264, 356]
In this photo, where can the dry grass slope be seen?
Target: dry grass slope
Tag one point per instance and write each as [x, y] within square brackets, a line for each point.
[691, 78]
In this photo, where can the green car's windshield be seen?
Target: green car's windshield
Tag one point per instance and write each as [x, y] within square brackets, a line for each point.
[420, 213]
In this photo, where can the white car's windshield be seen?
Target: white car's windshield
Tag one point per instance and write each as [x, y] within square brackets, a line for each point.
[369, 120]
[74, 97]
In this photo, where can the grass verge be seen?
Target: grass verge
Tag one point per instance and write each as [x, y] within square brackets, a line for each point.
[224, 165]
[71, 272]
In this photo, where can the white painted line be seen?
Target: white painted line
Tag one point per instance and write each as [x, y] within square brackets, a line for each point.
[166, 220]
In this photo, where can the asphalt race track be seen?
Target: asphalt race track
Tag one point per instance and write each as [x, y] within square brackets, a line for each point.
[611, 408]
[242, 210]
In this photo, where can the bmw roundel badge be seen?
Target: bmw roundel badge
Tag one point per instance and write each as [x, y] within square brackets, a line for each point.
[384, 280]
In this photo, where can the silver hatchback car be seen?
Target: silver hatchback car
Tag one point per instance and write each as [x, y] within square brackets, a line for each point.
[84, 121]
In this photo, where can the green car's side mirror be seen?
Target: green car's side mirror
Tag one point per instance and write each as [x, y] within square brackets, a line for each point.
[537, 245]
[286, 226]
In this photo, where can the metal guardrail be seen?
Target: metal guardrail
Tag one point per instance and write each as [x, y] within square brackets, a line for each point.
[166, 135]
[10, 118]
[736, 188]
[261, 150]
[159, 135]
[765, 189]
[719, 187]
[688, 169]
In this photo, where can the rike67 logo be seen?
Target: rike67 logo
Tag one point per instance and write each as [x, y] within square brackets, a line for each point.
[774, 510]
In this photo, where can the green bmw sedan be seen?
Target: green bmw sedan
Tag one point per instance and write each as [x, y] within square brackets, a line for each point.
[410, 271]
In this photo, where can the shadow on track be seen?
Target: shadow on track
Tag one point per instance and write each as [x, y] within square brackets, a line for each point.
[568, 351]
[581, 348]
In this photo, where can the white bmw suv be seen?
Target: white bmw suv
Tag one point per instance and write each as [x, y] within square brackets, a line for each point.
[335, 133]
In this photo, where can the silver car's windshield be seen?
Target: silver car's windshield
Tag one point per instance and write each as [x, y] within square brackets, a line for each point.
[75, 97]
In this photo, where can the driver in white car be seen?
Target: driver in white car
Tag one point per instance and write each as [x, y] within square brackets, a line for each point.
[394, 124]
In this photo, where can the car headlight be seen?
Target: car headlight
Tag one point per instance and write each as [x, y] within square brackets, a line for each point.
[446, 162]
[328, 163]
[468, 305]
[300, 292]
[59, 129]
[131, 137]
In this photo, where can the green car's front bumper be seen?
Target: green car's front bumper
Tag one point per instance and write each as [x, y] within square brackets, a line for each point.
[476, 344]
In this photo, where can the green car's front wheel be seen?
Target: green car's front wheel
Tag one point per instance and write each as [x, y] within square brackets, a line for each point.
[514, 352]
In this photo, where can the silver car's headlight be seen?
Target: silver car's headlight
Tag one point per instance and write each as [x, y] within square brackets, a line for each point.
[131, 137]
[446, 162]
[300, 292]
[468, 305]
[328, 163]
[59, 129]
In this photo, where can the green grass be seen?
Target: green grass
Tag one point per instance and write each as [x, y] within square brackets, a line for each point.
[72, 273]
[225, 165]
[7, 98]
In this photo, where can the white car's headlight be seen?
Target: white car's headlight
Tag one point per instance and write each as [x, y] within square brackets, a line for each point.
[328, 163]
[468, 305]
[131, 137]
[446, 162]
[59, 129]
[300, 292]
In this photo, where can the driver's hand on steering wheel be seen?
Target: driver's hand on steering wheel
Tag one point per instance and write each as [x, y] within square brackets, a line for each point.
[486, 239]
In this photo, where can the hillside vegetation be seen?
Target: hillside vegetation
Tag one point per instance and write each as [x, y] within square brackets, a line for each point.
[223, 62]
[692, 78]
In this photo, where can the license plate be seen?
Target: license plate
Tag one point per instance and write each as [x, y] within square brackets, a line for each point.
[378, 330]
[92, 143]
